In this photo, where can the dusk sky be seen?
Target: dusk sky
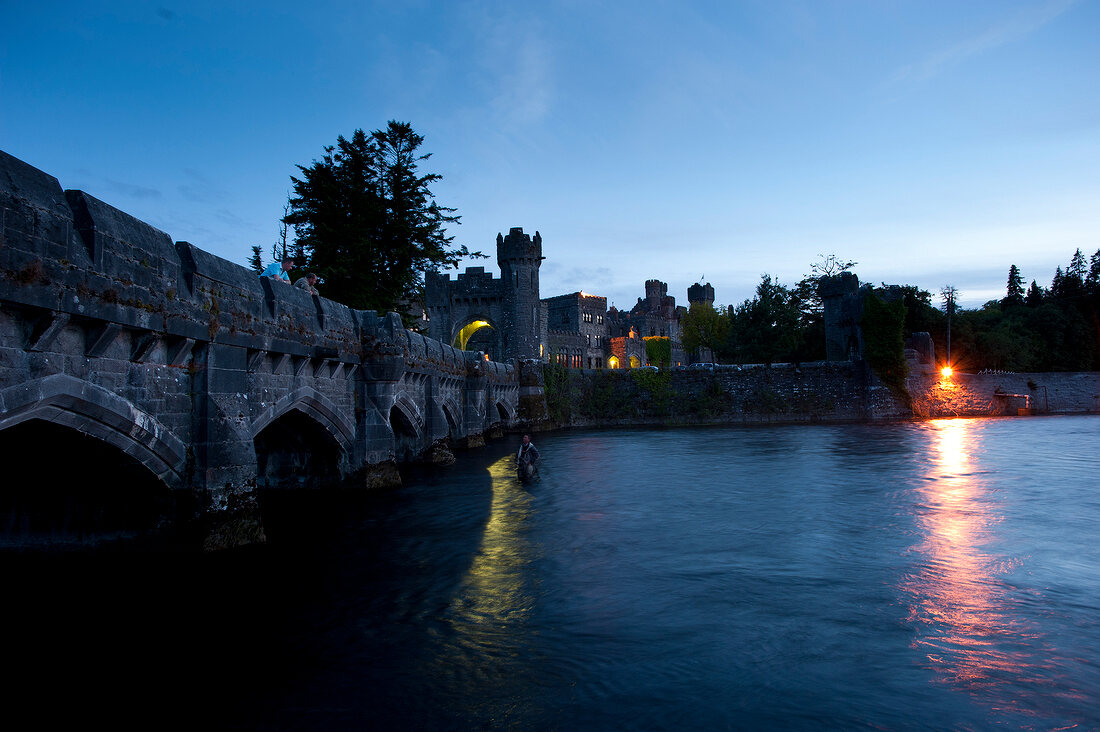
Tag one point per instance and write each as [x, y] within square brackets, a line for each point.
[934, 143]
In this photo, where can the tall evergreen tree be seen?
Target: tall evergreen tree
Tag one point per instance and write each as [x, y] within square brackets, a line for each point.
[1076, 267]
[256, 262]
[1034, 296]
[1092, 279]
[1058, 284]
[765, 329]
[1015, 292]
[1074, 282]
[368, 221]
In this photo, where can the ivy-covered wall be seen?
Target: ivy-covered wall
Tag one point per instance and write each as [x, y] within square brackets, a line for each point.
[826, 392]
[820, 392]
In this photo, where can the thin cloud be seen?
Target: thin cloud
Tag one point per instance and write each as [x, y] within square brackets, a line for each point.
[131, 190]
[202, 189]
[228, 217]
[522, 88]
[1023, 24]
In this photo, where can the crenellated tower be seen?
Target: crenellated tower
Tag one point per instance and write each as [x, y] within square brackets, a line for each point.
[655, 291]
[520, 256]
[703, 294]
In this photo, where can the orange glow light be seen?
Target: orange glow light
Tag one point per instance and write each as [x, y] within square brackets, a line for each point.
[946, 371]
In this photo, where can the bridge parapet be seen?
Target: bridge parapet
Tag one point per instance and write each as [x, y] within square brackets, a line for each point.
[197, 352]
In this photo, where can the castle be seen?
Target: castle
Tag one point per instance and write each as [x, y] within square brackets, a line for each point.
[506, 318]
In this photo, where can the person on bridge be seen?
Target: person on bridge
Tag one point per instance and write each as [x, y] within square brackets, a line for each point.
[308, 283]
[527, 459]
[279, 270]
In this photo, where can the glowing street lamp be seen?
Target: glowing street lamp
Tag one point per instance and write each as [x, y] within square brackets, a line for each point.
[946, 371]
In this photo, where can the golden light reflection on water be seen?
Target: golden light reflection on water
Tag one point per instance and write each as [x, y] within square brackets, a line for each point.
[959, 600]
[494, 596]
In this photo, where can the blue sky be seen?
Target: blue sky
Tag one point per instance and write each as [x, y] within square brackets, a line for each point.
[932, 142]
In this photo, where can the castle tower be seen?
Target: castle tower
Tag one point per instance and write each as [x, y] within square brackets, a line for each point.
[654, 291]
[701, 294]
[520, 257]
[843, 304]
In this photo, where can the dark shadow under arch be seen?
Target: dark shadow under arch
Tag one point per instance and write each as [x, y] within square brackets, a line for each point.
[314, 405]
[296, 451]
[63, 487]
[406, 440]
[451, 415]
[102, 414]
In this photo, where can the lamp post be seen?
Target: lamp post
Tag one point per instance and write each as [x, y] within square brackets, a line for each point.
[949, 292]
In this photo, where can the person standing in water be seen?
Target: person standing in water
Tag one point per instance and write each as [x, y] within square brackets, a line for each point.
[527, 458]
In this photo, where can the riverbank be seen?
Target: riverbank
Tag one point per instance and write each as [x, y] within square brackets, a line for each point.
[821, 392]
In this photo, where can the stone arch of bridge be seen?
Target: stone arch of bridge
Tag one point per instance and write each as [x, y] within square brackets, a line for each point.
[411, 419]
[313, 404]
[451, 412]
[102, 414]
[505, 411]
[407, 426]
[302, 439]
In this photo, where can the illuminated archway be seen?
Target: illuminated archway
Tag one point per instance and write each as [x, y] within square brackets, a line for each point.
[464, 335]
[612, 362]
[634, 362]
[479, 335]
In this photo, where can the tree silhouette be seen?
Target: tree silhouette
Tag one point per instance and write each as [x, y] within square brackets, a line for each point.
[765, 328]
[368, 222]
[1015, 292]
[256, 262]
[703, 327]
[1034, 296]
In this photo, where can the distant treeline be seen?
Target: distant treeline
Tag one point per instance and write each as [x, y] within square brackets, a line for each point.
[1032, 328]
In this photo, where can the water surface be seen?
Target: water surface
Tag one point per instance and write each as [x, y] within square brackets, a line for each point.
[941, 575]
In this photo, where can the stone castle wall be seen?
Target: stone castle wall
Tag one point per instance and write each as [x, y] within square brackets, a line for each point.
[832, 392]
[982, 395]
[822, 392]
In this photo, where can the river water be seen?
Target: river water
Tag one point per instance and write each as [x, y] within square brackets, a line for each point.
[937, 575]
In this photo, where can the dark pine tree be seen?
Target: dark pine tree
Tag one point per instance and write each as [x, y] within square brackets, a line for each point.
[1015, 293]
[256, 262]
[1034, 296]
[1092, 279]
[368, 221]
[1058, 284]
[1073, 285]
[765, 329]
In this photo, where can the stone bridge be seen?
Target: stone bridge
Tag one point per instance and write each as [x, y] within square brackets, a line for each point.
[132, 356]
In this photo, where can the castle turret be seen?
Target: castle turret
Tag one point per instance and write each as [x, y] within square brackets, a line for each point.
[701, 294]
[843, 307]
[654, 291]
[520, 257]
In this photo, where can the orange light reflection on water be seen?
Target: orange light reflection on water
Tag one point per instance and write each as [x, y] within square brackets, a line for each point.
[959, 600]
